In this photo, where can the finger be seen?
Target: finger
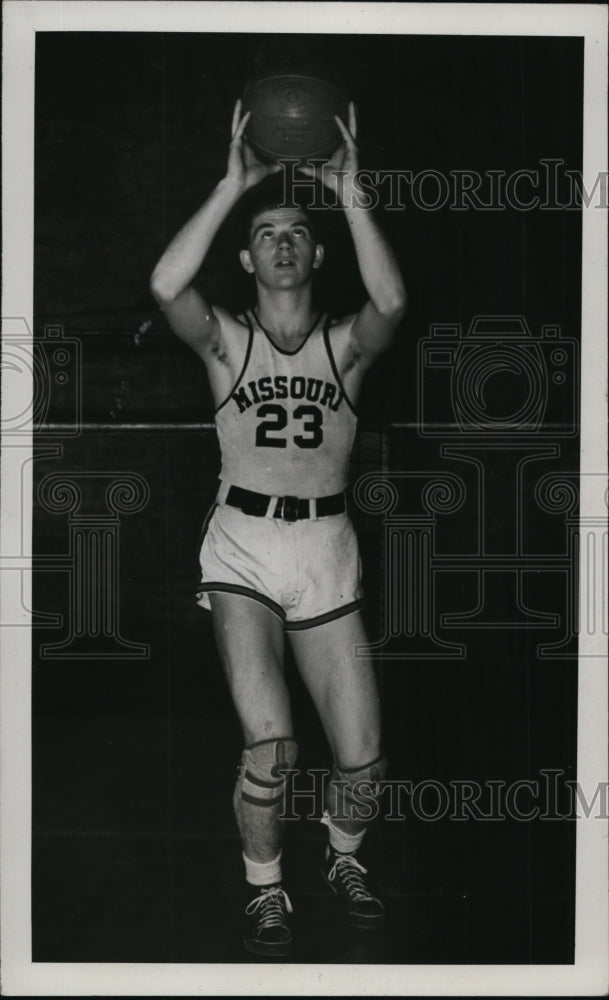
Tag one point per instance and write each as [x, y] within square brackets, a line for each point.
[249, 157]
[315, 168]
[236, 117]
[336, 160]
[252, 161]
[352, 119]
[346, 134]
[241, 127]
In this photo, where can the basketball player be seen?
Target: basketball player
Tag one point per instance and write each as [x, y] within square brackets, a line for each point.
[279, 552]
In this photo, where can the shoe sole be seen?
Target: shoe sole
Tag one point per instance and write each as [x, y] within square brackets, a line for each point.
[368, 923]
[269, 950]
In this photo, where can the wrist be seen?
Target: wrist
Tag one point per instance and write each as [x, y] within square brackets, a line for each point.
[231, 188]
[348, 190]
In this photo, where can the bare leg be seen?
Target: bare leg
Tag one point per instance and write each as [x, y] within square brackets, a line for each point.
[250, 643]
[343, 687]
[344, 690]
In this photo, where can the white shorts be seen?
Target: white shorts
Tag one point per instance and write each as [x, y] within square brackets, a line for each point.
[307, 572]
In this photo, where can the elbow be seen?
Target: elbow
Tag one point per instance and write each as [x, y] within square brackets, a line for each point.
[161, 288]
[394, 308]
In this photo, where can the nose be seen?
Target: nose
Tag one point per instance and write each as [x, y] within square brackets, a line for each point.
[285, 239]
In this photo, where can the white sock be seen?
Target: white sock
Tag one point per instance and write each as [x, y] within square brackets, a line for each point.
[262, 872]
[344, 843]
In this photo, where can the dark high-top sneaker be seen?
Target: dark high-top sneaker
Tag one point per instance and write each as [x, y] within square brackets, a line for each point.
[345, 876]
[268, 932]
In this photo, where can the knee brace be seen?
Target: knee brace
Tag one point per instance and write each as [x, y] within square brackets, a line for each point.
[353, 792]
[261, 781]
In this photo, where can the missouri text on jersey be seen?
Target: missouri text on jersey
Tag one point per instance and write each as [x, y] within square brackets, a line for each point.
[269, 387]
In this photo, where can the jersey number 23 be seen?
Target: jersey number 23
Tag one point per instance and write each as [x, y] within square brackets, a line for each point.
[269, 432]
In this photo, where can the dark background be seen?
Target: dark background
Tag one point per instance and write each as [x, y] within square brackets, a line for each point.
[135, 853]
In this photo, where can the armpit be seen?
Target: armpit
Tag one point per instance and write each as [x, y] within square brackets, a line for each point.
[352, 359]
[230, 341]
[345, 349]
[218, 350]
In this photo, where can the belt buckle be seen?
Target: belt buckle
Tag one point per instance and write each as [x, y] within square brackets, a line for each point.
[289, 509]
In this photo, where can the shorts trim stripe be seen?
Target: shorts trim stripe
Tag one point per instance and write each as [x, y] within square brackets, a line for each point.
[346, 609]
[234, 588]
[205, 526]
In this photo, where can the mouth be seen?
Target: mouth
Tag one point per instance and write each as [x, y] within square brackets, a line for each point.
[285, 262]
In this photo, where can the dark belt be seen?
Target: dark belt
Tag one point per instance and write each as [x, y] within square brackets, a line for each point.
[286, 508]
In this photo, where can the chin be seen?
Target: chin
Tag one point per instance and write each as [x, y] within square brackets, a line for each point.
[292, 279]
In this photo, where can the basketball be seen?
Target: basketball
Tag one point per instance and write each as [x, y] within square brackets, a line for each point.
[292, 117]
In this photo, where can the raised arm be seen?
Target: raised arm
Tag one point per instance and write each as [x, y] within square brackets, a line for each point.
[374, 326]
[189, 315]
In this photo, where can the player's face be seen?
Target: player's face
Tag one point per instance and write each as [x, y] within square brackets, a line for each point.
[282, 251]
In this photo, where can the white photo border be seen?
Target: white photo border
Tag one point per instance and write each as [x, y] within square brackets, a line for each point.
[22, 20]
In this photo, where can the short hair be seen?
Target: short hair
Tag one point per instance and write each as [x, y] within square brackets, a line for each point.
[264, 197]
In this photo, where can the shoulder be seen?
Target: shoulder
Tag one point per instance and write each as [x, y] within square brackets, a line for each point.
[230, 322]
[337, 325]
[338, 330]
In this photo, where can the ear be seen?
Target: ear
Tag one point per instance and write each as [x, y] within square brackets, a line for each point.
[246, 261]
[318, 259]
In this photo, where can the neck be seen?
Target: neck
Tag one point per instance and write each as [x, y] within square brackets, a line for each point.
[288, 314]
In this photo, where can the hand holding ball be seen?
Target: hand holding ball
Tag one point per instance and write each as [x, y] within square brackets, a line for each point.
[292, 117]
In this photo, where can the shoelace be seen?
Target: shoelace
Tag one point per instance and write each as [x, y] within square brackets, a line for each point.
[271, 903]
[347, 868]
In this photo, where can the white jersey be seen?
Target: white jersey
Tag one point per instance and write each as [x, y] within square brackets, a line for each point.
[287, 427]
